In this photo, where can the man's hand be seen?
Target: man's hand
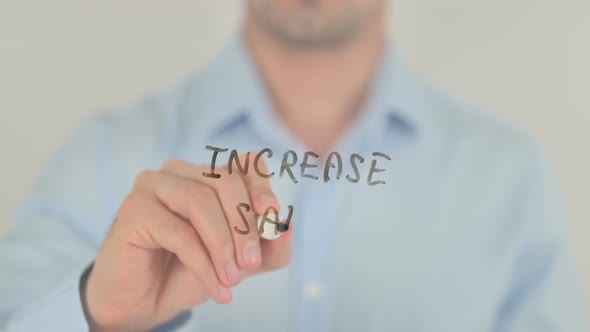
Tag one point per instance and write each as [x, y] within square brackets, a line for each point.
[173, 246]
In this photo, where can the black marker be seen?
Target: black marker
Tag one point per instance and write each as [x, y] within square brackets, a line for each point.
[269, 228]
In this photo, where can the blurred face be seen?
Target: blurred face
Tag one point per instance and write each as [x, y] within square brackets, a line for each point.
[314, 23]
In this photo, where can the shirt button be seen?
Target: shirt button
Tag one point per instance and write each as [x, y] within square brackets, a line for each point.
[313, 291]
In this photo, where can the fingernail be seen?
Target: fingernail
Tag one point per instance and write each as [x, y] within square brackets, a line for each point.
[251, 253]
[224, 293]
[267, 200]
[232, 271]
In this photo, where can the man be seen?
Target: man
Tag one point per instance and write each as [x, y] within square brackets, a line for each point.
[458, 231]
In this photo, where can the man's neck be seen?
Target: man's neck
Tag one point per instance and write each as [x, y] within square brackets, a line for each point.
[317, 93]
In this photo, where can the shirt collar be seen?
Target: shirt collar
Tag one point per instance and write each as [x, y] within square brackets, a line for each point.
[230, 92]
[398, 95]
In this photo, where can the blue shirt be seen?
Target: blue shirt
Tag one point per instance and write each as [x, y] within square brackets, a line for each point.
[465, 235]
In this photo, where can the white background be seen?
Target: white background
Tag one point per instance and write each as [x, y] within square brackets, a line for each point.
[528, 60]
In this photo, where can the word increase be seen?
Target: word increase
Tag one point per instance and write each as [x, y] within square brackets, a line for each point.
[289, 161]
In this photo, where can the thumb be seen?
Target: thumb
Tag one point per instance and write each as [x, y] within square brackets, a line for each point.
[276, 254]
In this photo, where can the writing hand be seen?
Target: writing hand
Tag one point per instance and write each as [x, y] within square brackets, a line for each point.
[173, 247]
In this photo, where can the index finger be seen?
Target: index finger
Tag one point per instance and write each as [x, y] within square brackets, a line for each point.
[257, 183]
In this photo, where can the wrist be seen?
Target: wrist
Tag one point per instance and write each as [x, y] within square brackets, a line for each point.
[102, 318]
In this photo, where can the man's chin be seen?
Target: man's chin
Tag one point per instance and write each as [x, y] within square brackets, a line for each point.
[311, 30]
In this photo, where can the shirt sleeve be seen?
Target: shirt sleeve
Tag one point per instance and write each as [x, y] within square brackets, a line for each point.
[544, 293]
[61, 310]
[61, 224]
[57, 231]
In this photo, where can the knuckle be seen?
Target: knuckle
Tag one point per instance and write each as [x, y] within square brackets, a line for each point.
[258, 189]
[223, 171]
[228, 179]
[177, 237]
[145, 176]
[184, 234]
[134, 202]
[202, 194]
[172, 164]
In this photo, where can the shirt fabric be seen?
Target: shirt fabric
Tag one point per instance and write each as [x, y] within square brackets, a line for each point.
[465, 235]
